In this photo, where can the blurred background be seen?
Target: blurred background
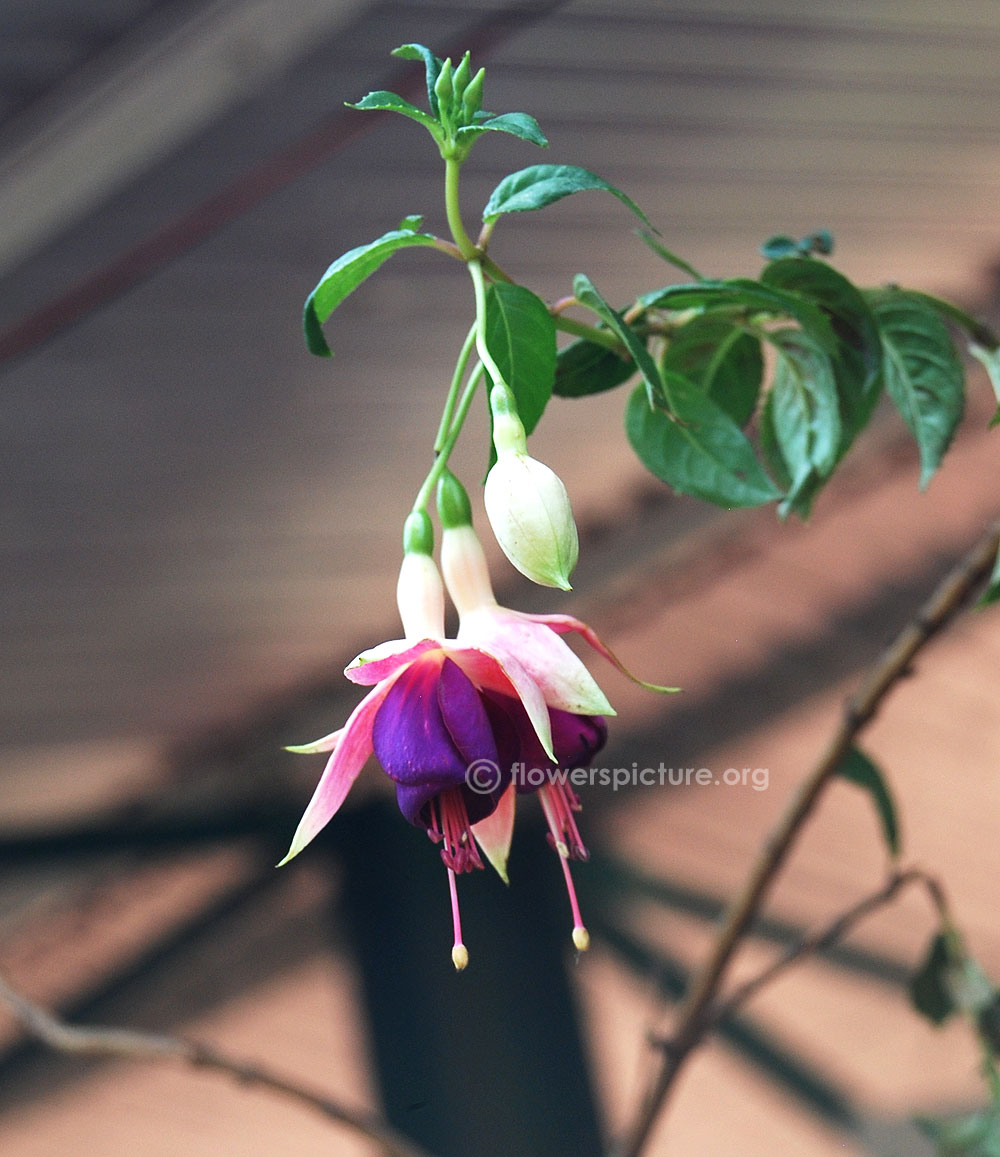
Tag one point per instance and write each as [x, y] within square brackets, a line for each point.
[200, 527]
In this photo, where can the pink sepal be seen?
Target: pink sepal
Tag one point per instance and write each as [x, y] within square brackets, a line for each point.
[494, 833]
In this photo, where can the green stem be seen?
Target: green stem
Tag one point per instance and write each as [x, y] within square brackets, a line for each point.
[456, 384]
[425, 492]
[479, 284]
[603, 337]
[465, 244]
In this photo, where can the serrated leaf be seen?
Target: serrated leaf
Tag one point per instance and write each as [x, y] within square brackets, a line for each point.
[922, 372]
[696, 448]
[858, 769]
[432, 65]
[802, 417]
[857, 356]
[584, 368]
[930, 992]
[540, 185]
[990, 359]
[347, 273]
[517, 124]
[969, 1135]
[722, 359]
[390, 102]
[747, 296]
[586, 294]
[521, 337]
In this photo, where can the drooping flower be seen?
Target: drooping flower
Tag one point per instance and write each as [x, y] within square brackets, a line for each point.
[435, 710]
[527, 504]
[576, 703]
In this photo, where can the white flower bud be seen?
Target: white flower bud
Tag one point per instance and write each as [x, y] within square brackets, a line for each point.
[529, 510]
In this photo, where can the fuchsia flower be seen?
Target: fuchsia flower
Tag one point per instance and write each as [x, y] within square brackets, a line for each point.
[576, 703]
[506, 693]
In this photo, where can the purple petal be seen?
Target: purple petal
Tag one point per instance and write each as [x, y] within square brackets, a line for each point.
[464, 715]
[410, 736]
[577, 738]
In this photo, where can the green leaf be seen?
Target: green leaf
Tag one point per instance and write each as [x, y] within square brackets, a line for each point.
[586, 294]
[991, 362]
[784, 246]
[801, 417]
[746, 297]
[930, 991]
[858, 352]
[780, 246]
[521, 337]
[697, 448]
[584, 368]
[517, 124]
[992, 592]
[969, 1135]
[431, 63]
[857, 768]
[922, 372]
[722, 359]
[668, 256]
[389, 102]
[348, 272]
[540, 185]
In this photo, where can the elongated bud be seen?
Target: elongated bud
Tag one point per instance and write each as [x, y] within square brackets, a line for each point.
[444, 89]
[527, 504]
[472, 98]
[419, 589]
[460, 80]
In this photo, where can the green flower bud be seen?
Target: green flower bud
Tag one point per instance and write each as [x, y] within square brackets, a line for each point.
[461, 77]
[472, 98]
[444, 90]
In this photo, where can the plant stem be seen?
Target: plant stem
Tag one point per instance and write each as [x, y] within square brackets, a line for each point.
[129, 1044]
[694, 1018]
[465, 244]
[456, 383]
[817, 942]
[448, 444]
[479, 285]
[603, 337]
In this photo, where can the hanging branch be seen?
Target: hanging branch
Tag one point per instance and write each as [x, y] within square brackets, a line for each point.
[825, 938]
[131, 1045]
[697, 1015]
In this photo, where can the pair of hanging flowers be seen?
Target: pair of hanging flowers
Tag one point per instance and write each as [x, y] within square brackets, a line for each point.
[463, 726]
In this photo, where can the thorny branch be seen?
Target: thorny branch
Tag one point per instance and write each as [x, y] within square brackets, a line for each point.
[131, 1045]
[697, 1014]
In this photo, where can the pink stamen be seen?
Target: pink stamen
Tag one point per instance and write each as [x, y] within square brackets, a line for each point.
[459, 953]
[450, 827]
[558, 803]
